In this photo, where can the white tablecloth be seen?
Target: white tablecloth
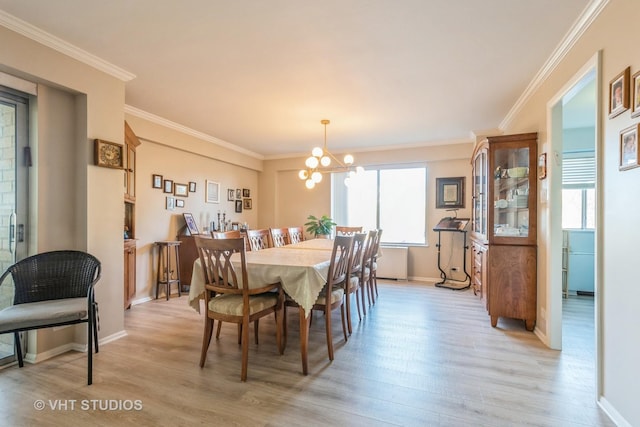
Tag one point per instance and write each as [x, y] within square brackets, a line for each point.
[302, 272]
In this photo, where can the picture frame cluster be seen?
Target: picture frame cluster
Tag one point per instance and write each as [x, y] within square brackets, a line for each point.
[241, 198]
[176, 192]
[624, 94]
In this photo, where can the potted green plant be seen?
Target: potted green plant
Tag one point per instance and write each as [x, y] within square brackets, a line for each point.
[320, 227]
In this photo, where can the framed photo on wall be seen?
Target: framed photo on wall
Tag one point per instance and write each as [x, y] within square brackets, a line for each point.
[179, 203]
[619, 93]
[231, 193]
[246, 204]
[238, 193]
[635, 91]
[192, 187]
[450, 193]
[238, 206]
[168, 186]
[156, 181]
[181, 190]
[629, 148]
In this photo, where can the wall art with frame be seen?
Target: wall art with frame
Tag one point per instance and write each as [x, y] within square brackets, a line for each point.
[156, 181]
[181, 190]
[212, 193]
[238, 206]
[629, 157]
[450, 193]
[619, 93]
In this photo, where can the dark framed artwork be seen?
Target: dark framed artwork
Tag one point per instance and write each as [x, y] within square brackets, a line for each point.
[619, 93]
[450, 193]
[192, 187]
[246, 204]
[108, 154]
[629, 158]
[246, 192]
[179, 203]
[168, 186]
[238, 206]
[238, 193]
[231, 193]
[170, 203]
[156, 181]
[191, 223]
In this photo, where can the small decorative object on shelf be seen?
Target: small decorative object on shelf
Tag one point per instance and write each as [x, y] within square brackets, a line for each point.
[108, 154]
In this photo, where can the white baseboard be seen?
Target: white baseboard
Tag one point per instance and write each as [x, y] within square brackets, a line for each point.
[141, 300]
[611, 412]
[82, 348]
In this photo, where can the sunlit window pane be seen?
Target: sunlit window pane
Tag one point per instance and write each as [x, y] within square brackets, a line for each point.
[590, 213]
[571, 208]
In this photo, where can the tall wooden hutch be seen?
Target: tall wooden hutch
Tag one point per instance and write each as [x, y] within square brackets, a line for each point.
[504, 226]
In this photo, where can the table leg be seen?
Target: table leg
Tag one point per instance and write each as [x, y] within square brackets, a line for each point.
[304, 339]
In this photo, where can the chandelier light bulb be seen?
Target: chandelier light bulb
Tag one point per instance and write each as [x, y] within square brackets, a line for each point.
[325, 161]
[311, 162]
[309, 183]
[317, 152]
[316, 177]
[303, 174]
[348, 159]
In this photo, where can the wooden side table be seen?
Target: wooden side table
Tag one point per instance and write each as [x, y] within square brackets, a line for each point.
[166, 251]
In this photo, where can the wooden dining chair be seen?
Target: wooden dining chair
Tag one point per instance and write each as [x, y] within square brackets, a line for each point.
[373, 267]
[353, 285]
[364, 274]
[279, 237]
[259, 239]
[343, 230]
[229, 296]
[331, 296]
[296, 234]
[233, 234]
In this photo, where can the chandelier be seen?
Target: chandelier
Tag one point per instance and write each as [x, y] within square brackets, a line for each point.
[321, 158]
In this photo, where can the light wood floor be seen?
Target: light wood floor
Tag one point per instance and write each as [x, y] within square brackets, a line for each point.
[422, 356]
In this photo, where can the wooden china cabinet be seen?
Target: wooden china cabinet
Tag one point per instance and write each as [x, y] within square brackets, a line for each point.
[504, 226]
[131, 143]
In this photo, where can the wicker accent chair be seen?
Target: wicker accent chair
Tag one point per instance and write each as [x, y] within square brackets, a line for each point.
[279, 237]
[230, 298]
[259, 239]
[53, 289]
[296, 234]
[343, 230]
[332, 295]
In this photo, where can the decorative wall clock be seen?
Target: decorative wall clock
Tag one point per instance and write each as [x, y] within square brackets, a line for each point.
[108, 154]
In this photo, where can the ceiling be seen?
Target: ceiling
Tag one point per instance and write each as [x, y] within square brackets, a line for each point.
[262, 74]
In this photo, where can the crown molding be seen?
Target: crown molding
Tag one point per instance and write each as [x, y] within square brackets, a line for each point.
[584, 21]
[22, 27]
[188, 131]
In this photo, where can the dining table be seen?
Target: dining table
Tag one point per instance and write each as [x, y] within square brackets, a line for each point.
[301, 269]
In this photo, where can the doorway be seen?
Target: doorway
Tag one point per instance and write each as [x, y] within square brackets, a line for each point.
[14, 138]
[574, 150]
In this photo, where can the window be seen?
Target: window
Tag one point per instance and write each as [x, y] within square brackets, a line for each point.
[393, 200]
[578, 192]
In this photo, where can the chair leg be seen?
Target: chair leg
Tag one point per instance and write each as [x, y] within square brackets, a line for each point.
[279, 313]
[255, 329]
[348, 303]
[358, 290]
[327, 323]
[16, 336]
[219, 328]
[344, 329]
[206, 339]
[90, 347]
[95, 327]
[363, 288]
[245, 349]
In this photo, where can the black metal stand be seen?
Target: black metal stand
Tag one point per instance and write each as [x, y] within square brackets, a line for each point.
[443, 275]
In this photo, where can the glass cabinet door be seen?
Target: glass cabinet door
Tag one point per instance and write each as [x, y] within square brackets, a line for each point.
[480, 194]
[511, 188]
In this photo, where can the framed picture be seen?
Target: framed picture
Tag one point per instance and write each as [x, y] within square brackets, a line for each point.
[168, 186]
[231, 194]
[238, 193]
[192, 187]
[191, 223]
[179, 203]
[156, 181]
[246, 204]
[246, 192]
[542, 166]
[450, 193]
[181, 190]
[635, 87]
[108, 154]
[171, 203]
[629, 147]
[213, 192]
[235, 226]
[238, 206]
[619, 93]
